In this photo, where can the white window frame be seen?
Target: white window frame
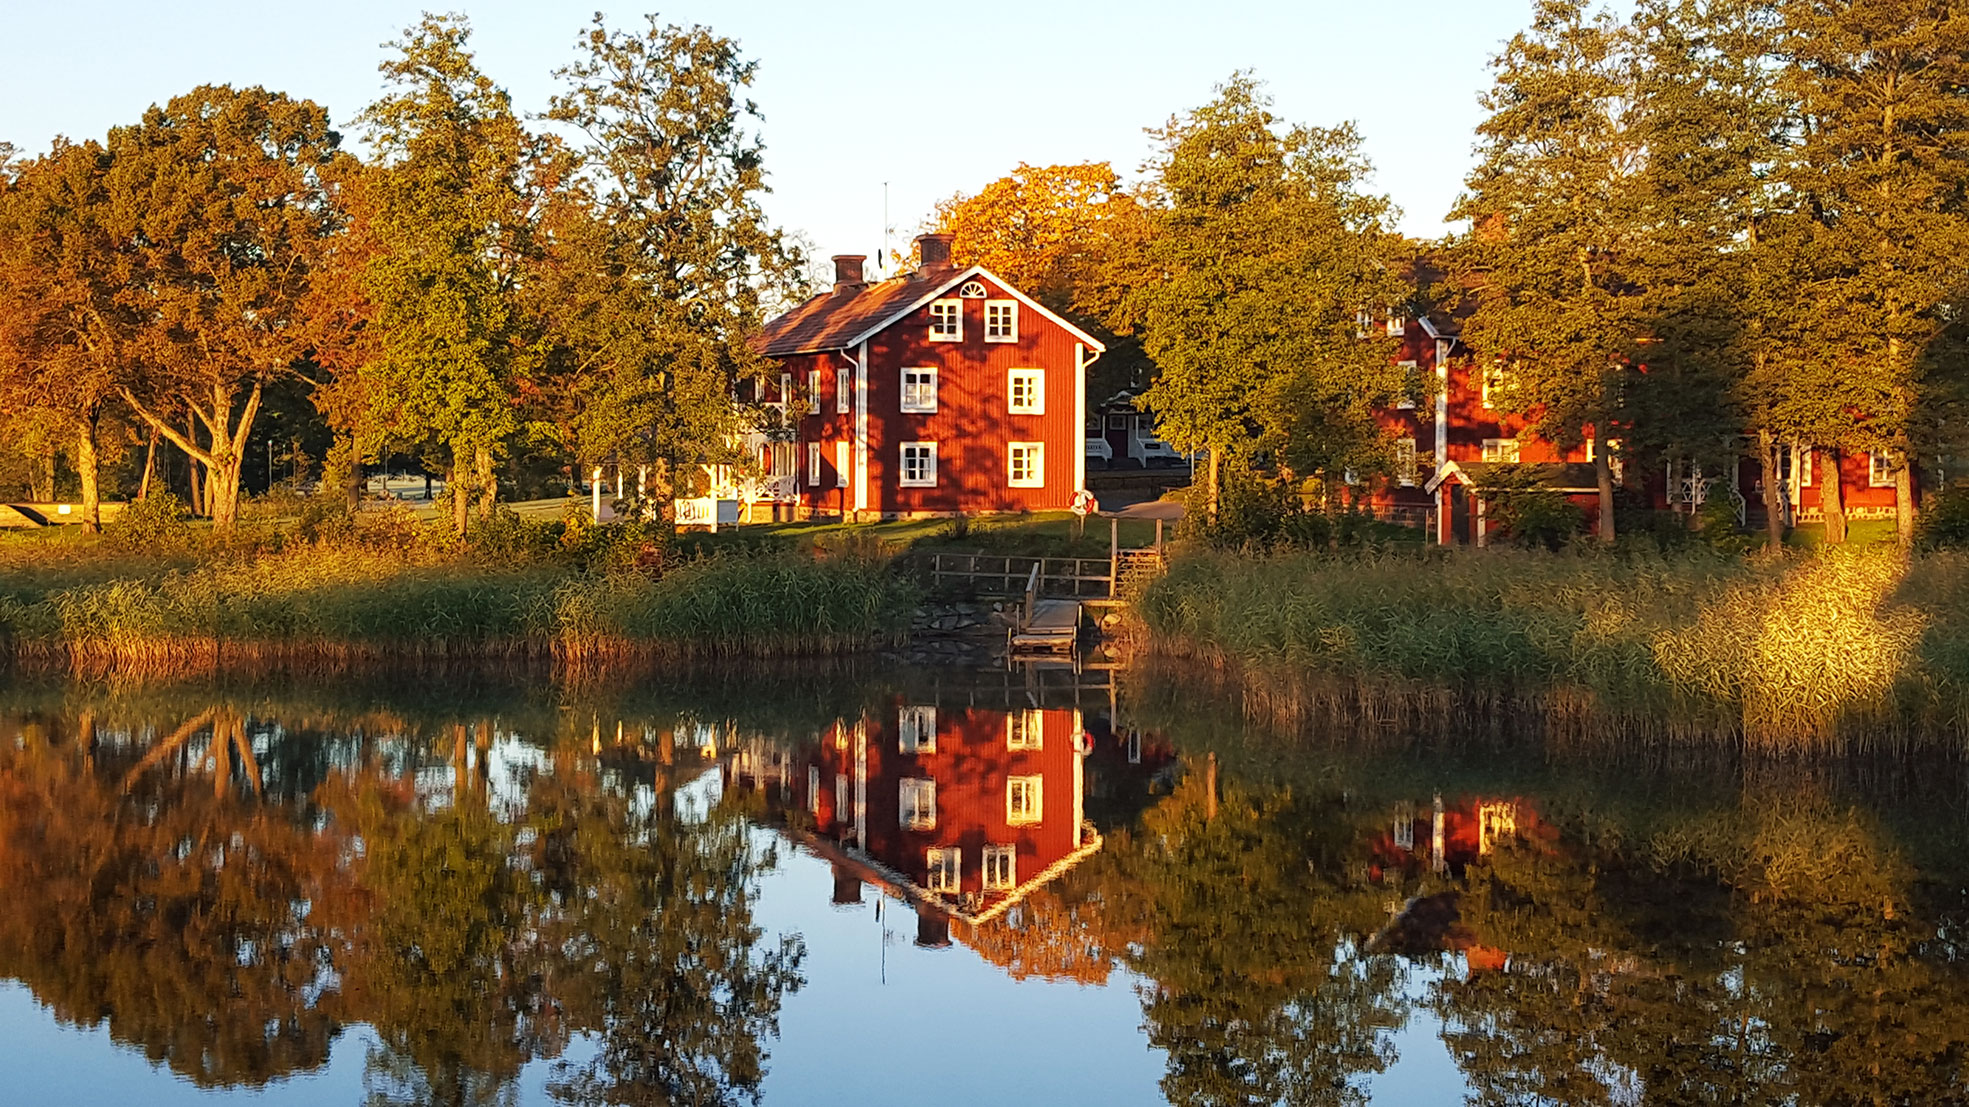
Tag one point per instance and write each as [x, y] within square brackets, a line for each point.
[842, 463]
[1410, 376]
[785, 389]
[949, 311]
[1496, 448]
[995, 333]
[1492, 381]
[943, 868]
[1001, 868]
[813, 465]
[1879, 469]
[1363, 323]
[1406, 469]
[916, 803]
[1036, 403]
[1036, 464]
[916, 728]
[813, 791]
[844, 391]
[1025, 800]
[903, 479]
[1025, 729]
[912, 403]
[813, 390]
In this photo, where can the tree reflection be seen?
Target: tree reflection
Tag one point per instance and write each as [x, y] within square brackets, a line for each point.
[231, 935]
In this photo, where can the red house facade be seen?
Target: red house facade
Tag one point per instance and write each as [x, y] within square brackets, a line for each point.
[945, 390]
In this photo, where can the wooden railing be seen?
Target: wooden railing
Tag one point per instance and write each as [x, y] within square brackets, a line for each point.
[1008, 575]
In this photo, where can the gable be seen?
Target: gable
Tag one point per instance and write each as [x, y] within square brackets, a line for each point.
[837, 321]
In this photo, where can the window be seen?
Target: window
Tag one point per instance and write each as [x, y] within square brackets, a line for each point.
[917, 804]
[1025, 464]
[1028, 391]
[1411, 385]
[843, 392]
[947, 321]
[1397, 324]
[919, 390]
[1501, 449]
[1363, 323]
[813, 390]
[1025, 730]
[1023, 800]
[919, 465]
[1118, 422]
[1001, 320]
[1805, 465]
[972, 290]
[1493, 386]
[1405, 468]
[1001, 868]
[1880, 469]
[813, 465]
[916, 729]
[943, 866]
[841, 465]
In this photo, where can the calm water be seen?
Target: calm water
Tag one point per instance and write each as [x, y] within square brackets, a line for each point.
[902, 887]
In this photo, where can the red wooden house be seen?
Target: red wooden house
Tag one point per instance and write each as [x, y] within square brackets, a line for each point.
[945, 390]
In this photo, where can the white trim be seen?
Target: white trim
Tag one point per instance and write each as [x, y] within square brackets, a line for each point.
[844, 463]
[916, 728]
[1407, 473]
[813, 463]
[1499, 446]
[1442, 403]
[1013, 307]
[903, 403]
[844, 391]
[1008, 858]
[1080, 414]
[936, 292]
[861, 427]
[956, 306]
[943, 869]
[903, 480]
[1036, 464]
[1038, 404]
[916, 803]
[1034, 811]
[813, 390]
[1878, 461]
[1407, 402]
[1025, 729]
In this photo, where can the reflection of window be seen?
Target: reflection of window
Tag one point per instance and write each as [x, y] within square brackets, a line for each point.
[917, 808]
[916, 729]
[1001, 321]
[1495, 822]
[813, 790]
[1028, 392]
[1405, 827]
[943, 866]
[1001, 868]
[1880, 469]
[919, 465]
[947, 321]
[1501, 449]
[1025, 464]
[1023, 800]
[919, 390]
[1405, 470]
[1118, 422]
[843, 392]
[1025, 730]
[1134, 747]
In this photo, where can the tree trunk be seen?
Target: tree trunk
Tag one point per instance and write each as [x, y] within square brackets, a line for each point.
[488, 487]
[1905, 509]
[352, 481]
[85, 469]
[1832, 496]
[1767, 459]
[150, 466]
[1603, 476]
[223, 460]
[197, 489]
[1215, 453]
[457, 487]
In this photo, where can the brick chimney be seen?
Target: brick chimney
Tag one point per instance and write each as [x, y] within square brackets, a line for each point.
[933, 254]
[847, 272]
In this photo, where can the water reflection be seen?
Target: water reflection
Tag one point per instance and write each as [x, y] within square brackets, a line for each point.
[495, 878]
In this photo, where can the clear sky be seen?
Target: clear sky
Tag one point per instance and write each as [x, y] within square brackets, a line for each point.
[933, 98]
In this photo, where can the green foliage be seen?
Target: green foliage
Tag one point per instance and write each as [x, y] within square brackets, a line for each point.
[1945, 525]
[154, 525]
[1259, 513]
[1526, 512]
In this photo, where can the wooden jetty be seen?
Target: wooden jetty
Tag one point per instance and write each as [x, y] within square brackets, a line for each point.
[1045, 625]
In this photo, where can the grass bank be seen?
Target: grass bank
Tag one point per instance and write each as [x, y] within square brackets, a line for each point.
[328, 605]
[1799, 651]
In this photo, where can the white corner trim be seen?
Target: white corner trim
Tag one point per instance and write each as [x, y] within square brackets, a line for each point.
[1079, 417]
[861, 427]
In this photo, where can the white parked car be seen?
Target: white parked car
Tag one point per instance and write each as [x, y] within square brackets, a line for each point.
[1100, 455]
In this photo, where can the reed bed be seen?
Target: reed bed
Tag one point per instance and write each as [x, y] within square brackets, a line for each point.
[335, 608]
[1795, 652]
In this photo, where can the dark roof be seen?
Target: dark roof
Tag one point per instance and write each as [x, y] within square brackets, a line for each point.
[839, 319]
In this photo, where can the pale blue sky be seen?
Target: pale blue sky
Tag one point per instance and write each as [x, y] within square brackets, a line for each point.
[933, 98]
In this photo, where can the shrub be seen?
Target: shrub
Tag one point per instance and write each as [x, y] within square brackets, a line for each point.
[1945, 523]
[156, 524]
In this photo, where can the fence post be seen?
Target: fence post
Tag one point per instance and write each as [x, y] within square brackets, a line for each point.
[1114, 556]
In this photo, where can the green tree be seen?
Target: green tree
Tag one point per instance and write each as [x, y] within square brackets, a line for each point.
[219, 214]
[658, 280]
[1551, 204]
[1264, 249]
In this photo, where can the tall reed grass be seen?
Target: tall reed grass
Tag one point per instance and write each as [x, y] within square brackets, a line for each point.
[338, 604]
[1786, 652]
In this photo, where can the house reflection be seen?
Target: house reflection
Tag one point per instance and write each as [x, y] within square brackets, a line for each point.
[1445, 839]
[960, 810]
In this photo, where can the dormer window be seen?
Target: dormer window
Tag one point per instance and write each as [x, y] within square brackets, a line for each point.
[972, 290]
[947, 321]
[1397, 324]
[1001, 320]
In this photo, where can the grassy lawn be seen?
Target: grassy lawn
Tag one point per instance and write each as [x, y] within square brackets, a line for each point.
[1859, 532]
